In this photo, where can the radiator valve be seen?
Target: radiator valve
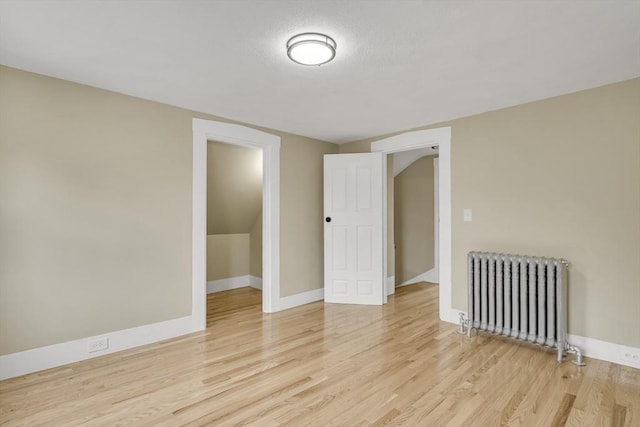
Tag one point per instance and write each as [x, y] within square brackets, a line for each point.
[463, 324]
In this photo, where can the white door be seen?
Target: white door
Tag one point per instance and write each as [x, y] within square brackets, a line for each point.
[353, 232]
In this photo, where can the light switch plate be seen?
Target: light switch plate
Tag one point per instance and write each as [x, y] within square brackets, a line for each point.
[468, 215]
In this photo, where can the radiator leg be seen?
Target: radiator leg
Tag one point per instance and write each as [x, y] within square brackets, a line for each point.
[470, 329]
[578, 359]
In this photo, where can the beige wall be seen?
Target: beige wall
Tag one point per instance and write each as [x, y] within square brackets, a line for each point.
[558, 177]
[414, 219]
[363, 146]
[301, 213]
[234, 187]
[95, 206]
[95, 211]
[227, 256]
[255, 247]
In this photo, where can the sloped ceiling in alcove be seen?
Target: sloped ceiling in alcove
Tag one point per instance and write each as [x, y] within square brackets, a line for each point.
[234, 188]
[404, 159]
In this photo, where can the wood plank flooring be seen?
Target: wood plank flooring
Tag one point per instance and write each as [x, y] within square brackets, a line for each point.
[326, 365]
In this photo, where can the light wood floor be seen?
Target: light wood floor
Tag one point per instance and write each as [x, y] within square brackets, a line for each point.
[327, 365]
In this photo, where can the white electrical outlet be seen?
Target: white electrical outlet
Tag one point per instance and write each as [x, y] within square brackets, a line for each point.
[99, 344]
[632, 357]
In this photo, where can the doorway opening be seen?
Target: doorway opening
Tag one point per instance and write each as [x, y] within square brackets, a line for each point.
[413, 217]
[440, 137]
[234, 226]
[208, 130]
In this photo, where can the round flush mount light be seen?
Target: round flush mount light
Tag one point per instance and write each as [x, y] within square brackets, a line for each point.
[311, 49]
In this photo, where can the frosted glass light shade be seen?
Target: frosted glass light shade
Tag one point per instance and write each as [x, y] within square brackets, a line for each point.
[311, 49]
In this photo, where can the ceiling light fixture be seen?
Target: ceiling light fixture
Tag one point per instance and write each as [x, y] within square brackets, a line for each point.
[311, 49]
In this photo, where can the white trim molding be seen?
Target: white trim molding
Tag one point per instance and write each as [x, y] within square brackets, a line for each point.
[606, 351]
[301, 299]
[204, 130]
[255, 282]
[37, 359]
[421, 139]
[234, 283]
[436, 221]
[413, 140]
[228, 284]
[391, 285]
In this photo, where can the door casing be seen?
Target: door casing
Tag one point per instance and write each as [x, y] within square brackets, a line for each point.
[204, 130]
[421, 139]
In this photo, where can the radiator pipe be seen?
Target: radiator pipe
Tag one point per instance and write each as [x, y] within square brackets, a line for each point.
[578, 359]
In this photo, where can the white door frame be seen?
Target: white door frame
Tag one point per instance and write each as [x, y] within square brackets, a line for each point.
[204, 130]
[421, 139]
[436, 215]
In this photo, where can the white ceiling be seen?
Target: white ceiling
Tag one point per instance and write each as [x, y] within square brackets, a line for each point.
[399, 64]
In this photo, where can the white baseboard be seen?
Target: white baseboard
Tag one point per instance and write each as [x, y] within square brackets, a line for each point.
[430, 276]
[591, 347]
[301, 299]
[391, 285]
[228, 284]
[37, 359]
[608, 351]
[24, 362]
[234, 283]
[453, 316]
[255, 282]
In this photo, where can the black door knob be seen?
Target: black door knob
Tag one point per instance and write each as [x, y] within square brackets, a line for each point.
[328, 219]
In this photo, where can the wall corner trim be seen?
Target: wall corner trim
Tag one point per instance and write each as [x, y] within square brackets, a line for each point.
[37, 359]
